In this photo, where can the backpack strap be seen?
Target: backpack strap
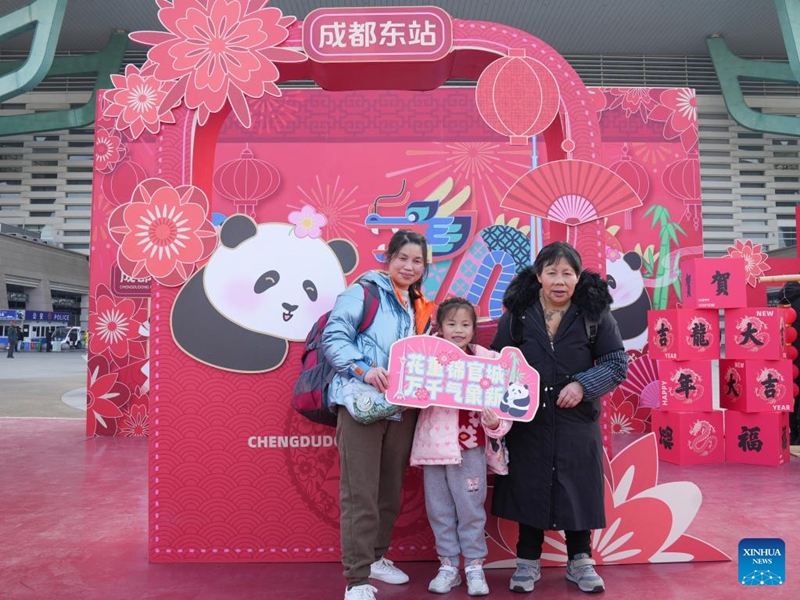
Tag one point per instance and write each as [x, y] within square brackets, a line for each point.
[515, 329]
[591, 329]
[372, 300]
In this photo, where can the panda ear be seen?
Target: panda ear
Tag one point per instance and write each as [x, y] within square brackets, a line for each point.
[346, 253]
[237, 229]
[633, 259]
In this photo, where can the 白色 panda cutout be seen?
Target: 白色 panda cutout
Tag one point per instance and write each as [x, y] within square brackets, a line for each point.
[631, 302]
[262, 287]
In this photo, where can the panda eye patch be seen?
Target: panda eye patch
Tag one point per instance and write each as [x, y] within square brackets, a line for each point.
[612, 283]
[310, 289]
[266, 281]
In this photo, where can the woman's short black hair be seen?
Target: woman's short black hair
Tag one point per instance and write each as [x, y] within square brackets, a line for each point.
[554, 252]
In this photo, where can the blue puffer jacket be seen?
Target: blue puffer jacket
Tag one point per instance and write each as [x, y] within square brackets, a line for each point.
[352, 354]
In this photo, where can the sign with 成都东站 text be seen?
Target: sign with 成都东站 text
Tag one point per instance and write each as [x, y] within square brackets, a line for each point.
[377, 34]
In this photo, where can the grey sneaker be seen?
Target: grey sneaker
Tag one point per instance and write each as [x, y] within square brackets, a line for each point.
[446, 579]
[528, 572]
[580, 570]
[476, 581]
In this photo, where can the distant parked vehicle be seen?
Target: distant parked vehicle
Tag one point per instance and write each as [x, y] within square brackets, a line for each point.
[69, 337]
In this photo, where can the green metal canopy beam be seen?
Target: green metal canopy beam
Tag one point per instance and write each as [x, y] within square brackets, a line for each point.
[45, 18]
[789, 17]
[730, 68]
[104, 63]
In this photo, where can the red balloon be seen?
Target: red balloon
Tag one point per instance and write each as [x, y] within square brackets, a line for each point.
[791, 352]
[795, 371]
[795, 390]
[791, 334]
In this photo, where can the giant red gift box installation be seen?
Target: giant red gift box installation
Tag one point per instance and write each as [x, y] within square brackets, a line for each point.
[755, 378]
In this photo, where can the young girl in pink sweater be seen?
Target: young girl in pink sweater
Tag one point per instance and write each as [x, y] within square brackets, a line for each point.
[454, 447]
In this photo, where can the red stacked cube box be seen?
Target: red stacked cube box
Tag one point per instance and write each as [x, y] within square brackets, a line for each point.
[686, 386]
[754, 333]
[689, 438]
[760, 438]
[683, 334]
[714, 283]
[756, 385]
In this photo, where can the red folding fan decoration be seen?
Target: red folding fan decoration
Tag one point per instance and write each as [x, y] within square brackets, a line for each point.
[571, 192]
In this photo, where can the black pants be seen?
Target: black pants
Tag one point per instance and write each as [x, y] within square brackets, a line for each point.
[531, 539]
[11, 350]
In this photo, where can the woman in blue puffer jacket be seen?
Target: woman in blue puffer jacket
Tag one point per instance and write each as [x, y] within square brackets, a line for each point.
[374, 457]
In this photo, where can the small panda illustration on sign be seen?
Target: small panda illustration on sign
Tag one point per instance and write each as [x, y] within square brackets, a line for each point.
[516, 400]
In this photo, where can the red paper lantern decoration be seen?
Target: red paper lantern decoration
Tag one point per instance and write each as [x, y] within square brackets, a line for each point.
[791, 352]
[795, 390]
[795, 371]
[118, 185]
[517, 96]
[635, 175]
[682, 180]
[789, 314]
[246, 181]
[791, 334]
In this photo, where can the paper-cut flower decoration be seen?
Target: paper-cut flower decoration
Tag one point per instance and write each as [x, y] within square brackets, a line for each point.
[626, 416]
[485, 383]
[116, 324]
[138, 102]
[678, 109]
[755, 260]
[104, 396]
[135, 422]
[219, 51]
[108, 149]
[307, 222]
[633, 101]
[646, 520]
[163, 232]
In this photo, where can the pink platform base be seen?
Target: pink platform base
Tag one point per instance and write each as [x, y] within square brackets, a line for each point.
[75, 521]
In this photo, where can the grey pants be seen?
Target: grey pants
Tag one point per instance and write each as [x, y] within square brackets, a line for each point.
[454, 498]
[373, 461]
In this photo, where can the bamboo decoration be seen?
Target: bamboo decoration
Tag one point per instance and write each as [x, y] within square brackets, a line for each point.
[778, 278]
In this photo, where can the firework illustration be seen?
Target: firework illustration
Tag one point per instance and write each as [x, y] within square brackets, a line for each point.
[488, 168]
[339, 205]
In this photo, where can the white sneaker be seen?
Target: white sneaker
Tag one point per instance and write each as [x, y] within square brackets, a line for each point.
[385, 571]
[446, 579]
[476, 581]
[360, 592]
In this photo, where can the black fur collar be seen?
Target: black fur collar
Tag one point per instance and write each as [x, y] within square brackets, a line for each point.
[591, 294]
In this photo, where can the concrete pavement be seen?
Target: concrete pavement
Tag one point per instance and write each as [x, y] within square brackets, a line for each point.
[32, 384]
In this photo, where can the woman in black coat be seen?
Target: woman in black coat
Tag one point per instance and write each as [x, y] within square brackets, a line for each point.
[559, 317]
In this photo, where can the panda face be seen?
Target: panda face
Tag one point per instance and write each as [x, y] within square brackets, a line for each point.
[274, 282]
[517, 391]
[625, 282]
